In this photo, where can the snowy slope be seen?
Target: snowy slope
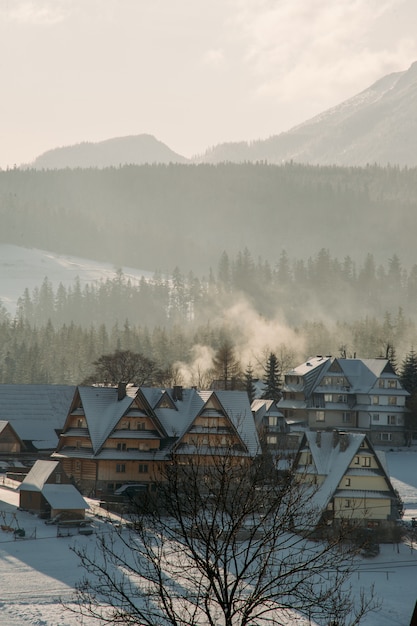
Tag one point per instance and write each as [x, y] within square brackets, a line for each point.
[22, 268]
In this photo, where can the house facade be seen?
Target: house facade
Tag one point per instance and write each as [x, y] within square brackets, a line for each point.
[116, 436]
[350, 480]
[352, 394]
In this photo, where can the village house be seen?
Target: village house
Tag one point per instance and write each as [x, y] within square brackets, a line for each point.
[37, 414]
[10, 443]
[349, 478]
[116, 436]
[362, 395]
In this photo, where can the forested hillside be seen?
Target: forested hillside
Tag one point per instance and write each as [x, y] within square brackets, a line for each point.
[295, 308]
[162, 216]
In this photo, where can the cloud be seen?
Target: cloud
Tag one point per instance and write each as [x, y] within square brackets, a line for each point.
[320, 48]
[41, 12]
[214, 57]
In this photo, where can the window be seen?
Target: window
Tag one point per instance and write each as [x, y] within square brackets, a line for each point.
[375, 399]
[381, 383]
[347, 417]
[79, 424]
[126, 425]
[375, 417]
[347, 482]
[120, 468]
[143, 468]
[356, 460]
[347, 504]
[392, 384]
[328, 397]
[121, 446]
[319, 416]
[140, 426]
[392, 420]
[271, 440]
[342, 399]
[272, 420]
[392, 400]
[366, 461]
[57, 478]
[386, 436]
[78, 465]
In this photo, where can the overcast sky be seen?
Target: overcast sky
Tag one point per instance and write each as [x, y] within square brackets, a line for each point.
[193, 73]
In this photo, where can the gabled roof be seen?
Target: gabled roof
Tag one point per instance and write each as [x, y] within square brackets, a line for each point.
[6, 424]
[38, 475]
[64, 497]
[234, 406]
[362, 374]
[36, 412]
[103, 410]
[332, 461]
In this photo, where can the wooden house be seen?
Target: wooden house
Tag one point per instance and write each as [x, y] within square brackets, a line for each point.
[10, 442]
[363, 395]
[115, 436]
[349, 477]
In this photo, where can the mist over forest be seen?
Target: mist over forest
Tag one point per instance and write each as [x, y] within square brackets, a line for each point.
[158, 217]
[294, 259]
[294, 308]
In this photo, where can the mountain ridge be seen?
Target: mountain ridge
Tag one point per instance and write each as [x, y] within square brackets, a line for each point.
[377, 125]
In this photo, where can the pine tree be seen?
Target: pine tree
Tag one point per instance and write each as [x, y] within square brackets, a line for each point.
[408, 379]
[249, 386]
[272, 379]
[226, 367]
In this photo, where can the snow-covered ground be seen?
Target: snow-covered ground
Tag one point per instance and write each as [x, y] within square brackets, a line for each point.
[22, 268]
[37, 570]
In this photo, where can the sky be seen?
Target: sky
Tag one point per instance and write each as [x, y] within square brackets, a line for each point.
[190, 72]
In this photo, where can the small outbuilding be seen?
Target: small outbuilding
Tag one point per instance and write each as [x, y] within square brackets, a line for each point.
[48, 490]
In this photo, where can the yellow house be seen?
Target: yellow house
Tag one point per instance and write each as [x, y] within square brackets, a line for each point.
[350, 477]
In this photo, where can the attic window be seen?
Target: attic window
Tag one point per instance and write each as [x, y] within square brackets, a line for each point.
[347, 482]
[347, 504]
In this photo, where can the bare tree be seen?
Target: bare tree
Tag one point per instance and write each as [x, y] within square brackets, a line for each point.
[124, 366]
[225, 542]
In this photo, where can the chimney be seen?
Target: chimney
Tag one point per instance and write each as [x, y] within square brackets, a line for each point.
[177, 392]
[344, 441]
[121, 391]
[335, 438]
[318, 438]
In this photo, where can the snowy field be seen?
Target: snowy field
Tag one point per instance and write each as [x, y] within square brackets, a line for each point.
[37, 570]
[22, 268]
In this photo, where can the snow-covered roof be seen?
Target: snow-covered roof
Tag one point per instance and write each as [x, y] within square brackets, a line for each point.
[103, 410]
[38, 475]
[64, 497]
[36, 412]
[331, 461]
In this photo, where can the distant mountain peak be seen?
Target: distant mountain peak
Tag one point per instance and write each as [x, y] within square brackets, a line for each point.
[129, 150]
[378, 125]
